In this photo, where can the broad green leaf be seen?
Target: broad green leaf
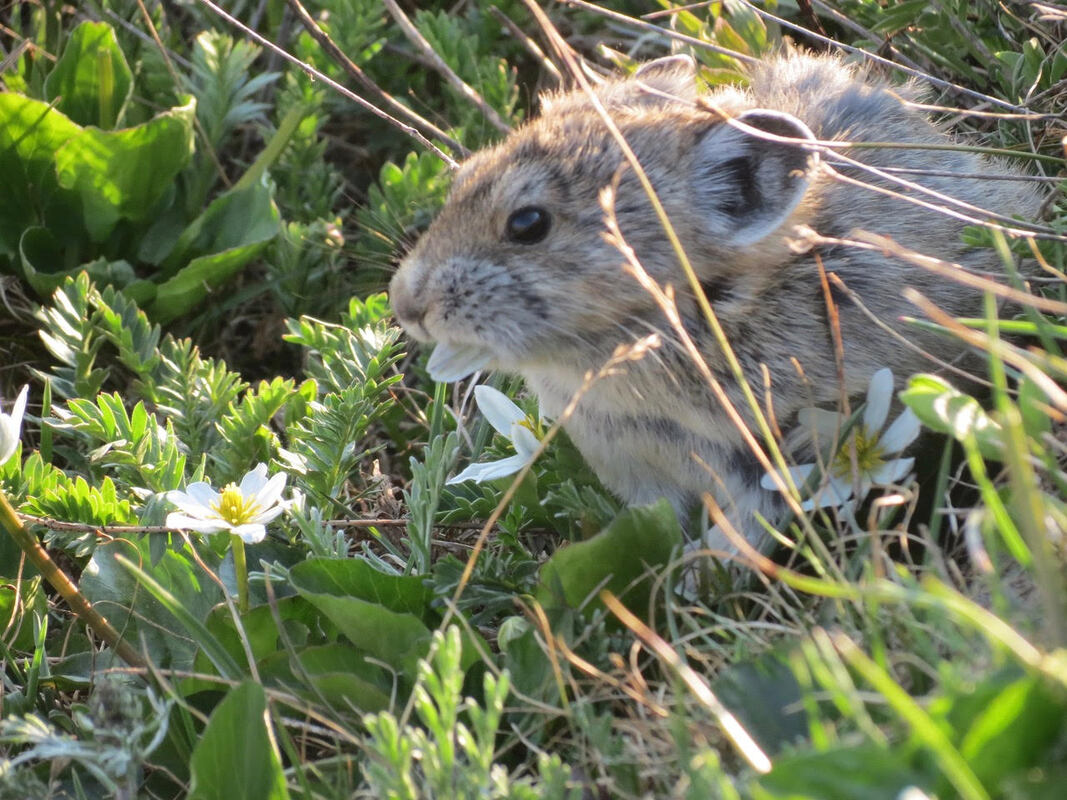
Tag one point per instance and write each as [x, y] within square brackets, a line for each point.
[765, 697]
[618, 559]
[354, 577]
[232, 231]
[343, 677]
[388, 616]
[91, 82]
[138, 615]
[864, 772]
[945, 409]
[45, 263]
[1014, 730]
[236, 757]
[123, 174]
[397, 639]
[30, 135]
[235, 219]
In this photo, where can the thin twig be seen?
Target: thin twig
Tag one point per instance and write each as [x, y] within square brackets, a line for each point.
[648, 26]
[364, 80]
[457, 83]
[122, 530]
[309, 70]
[200, 132]
[945, 269]
[528, 43]
[915, 73]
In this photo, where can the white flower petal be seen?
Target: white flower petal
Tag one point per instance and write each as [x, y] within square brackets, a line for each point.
[525, 442]
[879, 396]
[451, 362]
[190, 505]
[271, 491]
[19, 408]
[835, 493]
[826, 425]
[9, 440]
[825, 500]
[250, 532]
[903, 431]
[11, 426]
[799, 474]
[497, 409]
[202, 493]
[490, 470]
[891, 471]
[186, 522]
[254, 480]
[268, 514]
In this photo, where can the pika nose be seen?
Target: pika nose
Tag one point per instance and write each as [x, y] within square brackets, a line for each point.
[409, 310]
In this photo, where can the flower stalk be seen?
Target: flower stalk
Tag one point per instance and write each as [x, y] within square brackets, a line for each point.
[240, 568]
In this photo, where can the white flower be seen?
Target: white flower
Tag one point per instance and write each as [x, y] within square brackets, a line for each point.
[11, 426]
[510, 421]
[450, 362]
[242, 510]
[871, 449]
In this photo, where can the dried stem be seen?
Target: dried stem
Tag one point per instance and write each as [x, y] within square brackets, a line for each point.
[364, 80]
[328, 81]
[457, 83]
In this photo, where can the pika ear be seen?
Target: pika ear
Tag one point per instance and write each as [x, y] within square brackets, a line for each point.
[748, 180]
[672, 75]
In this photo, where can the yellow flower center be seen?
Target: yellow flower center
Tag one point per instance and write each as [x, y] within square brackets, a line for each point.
[233, 506]
[532, 428]
[869, 454]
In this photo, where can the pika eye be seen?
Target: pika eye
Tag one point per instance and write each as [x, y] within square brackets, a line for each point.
[528, 225]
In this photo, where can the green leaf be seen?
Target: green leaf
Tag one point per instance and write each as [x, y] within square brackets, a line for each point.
[1034, 407]
[142, 617]
[343, 677]
[766, 698]
[232, 231]
[30, 135]
[91, 82]
[618, 559]
[387, 616]
[45, 263]
[354, 577]
[236, 757]
[1014, 730]
[123, 174]
[945, 409]
[864, 772]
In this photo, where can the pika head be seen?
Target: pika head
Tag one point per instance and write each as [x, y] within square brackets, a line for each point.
[516, 265]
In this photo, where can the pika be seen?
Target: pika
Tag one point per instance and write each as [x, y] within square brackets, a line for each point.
[515, 273]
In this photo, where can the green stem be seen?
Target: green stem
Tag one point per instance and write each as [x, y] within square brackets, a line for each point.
[240, 568]
[59, 581]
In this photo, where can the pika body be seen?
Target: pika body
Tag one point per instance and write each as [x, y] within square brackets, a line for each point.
[516, 274]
